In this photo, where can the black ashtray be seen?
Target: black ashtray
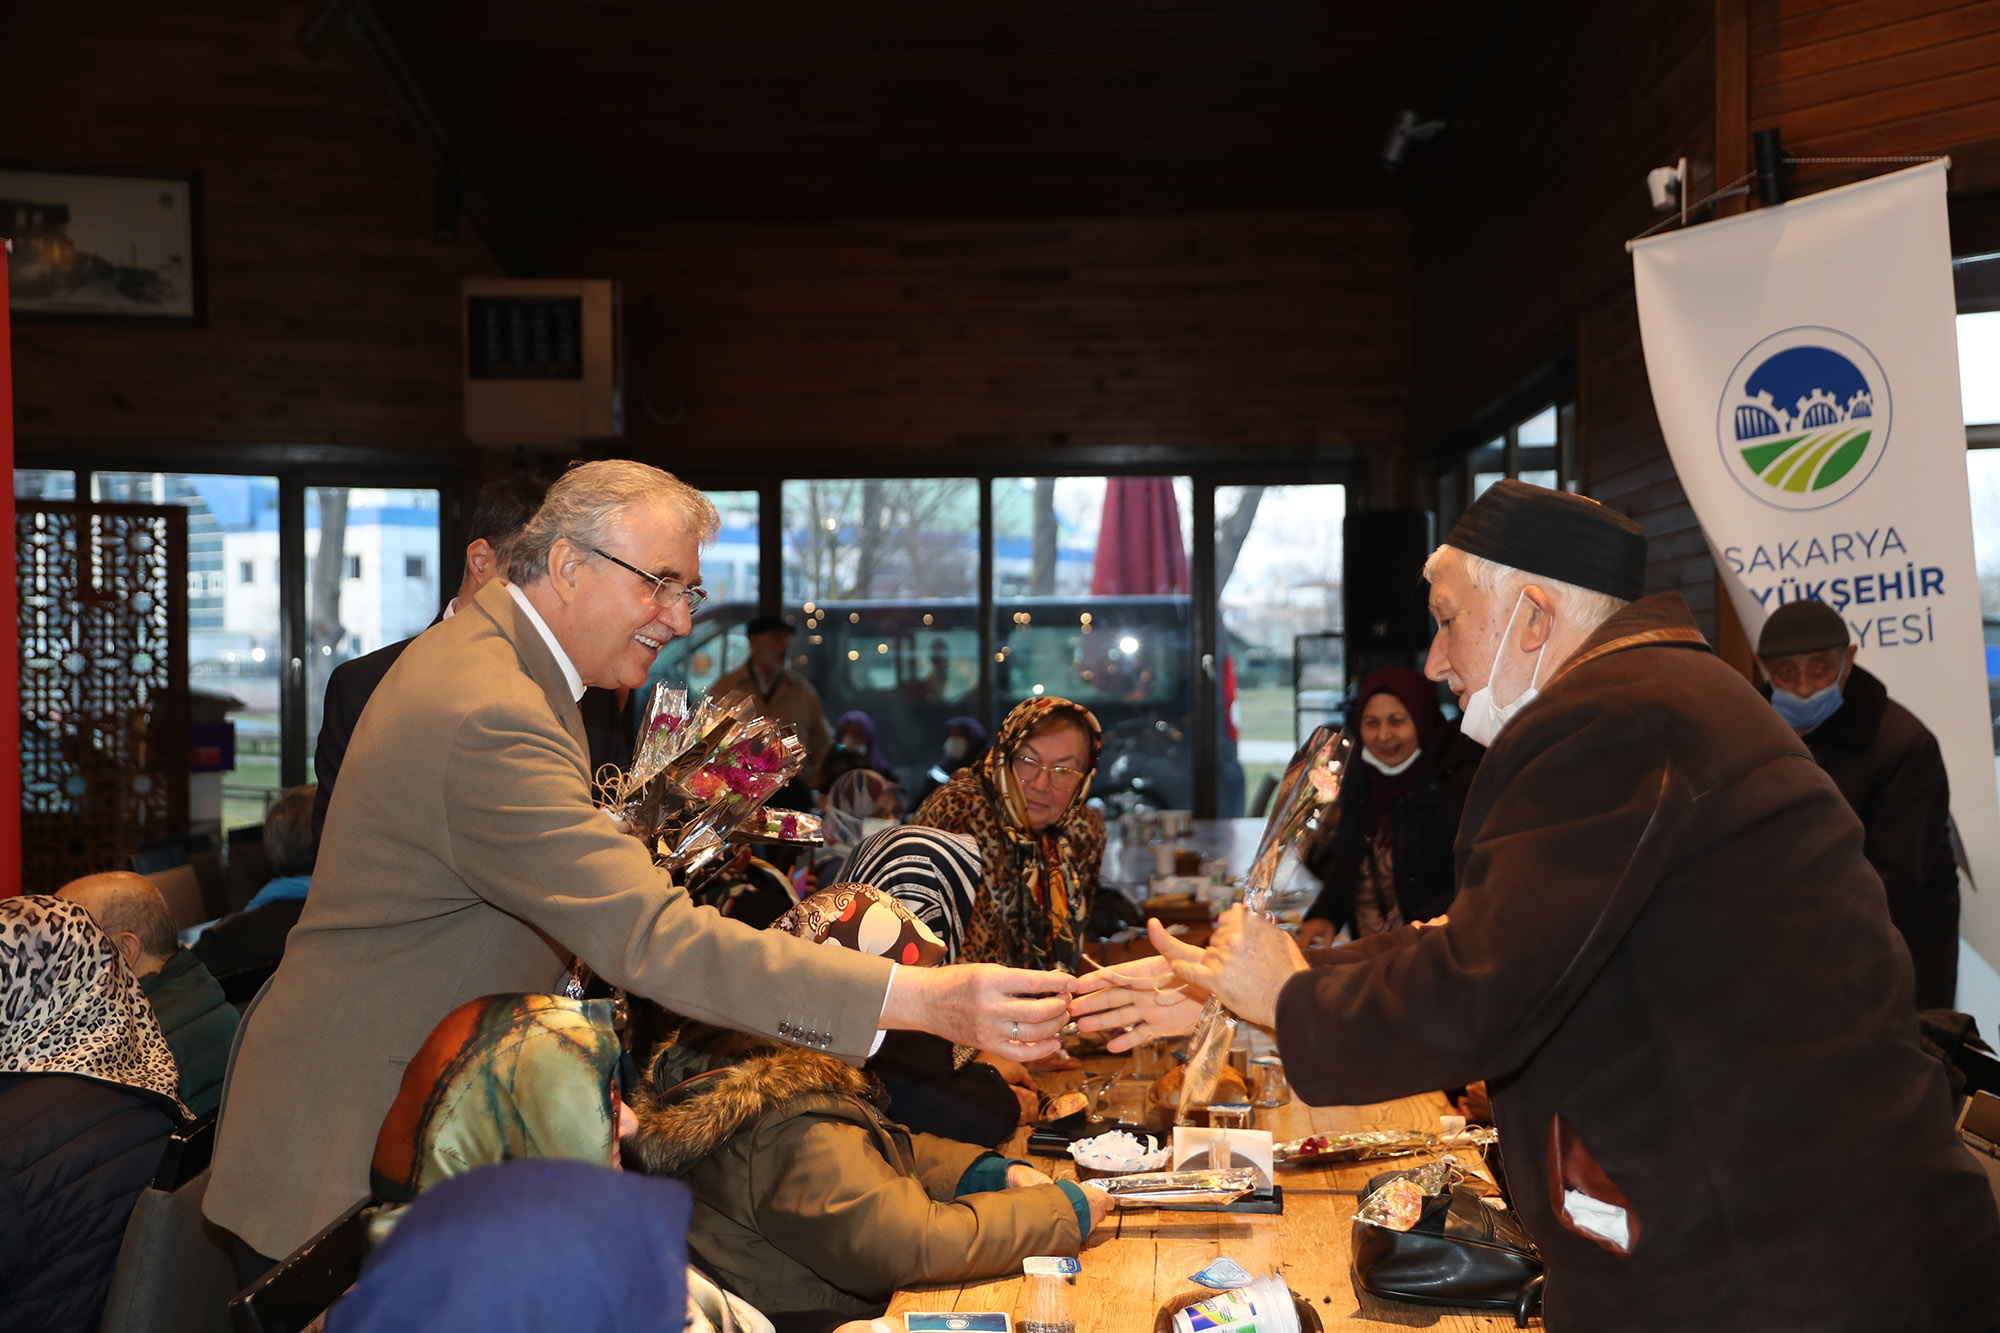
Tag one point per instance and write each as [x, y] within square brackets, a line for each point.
[1051, 1138]
[1266, 1199]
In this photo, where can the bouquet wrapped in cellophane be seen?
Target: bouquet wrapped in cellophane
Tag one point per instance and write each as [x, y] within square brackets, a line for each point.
[1306, 799]
[700, 775]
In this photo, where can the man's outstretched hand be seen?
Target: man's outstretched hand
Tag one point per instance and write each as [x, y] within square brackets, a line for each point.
[1141, 999]
[1008, 1011]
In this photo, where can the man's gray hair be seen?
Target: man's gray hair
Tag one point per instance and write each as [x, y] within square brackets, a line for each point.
[1584, 608]
[589, 499]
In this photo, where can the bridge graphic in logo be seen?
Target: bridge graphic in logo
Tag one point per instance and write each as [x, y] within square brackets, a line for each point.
[1804, 418]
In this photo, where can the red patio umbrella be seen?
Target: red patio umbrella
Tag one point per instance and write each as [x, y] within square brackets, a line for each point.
[1139, 546]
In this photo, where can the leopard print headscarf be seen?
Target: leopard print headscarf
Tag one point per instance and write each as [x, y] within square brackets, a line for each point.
[1036, 888]
[70, 1005]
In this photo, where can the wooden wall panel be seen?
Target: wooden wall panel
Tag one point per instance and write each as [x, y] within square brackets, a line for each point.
[1880, 77]
[827, 346]
[1521, 219]
[332, 313]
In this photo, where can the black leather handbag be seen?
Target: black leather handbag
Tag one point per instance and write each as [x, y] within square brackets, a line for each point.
[1460, 1252]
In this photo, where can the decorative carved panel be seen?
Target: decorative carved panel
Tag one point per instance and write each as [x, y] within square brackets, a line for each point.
[104, 704]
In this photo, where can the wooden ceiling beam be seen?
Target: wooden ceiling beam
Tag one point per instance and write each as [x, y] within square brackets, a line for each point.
[519, 244]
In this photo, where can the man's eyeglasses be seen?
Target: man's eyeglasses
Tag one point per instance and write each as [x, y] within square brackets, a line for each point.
[1062, 779]
[664, 589]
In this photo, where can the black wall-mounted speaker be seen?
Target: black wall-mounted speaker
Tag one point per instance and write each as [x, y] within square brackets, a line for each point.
[1383, 578]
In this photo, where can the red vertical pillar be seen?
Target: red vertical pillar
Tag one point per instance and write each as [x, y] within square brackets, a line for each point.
[10, 623]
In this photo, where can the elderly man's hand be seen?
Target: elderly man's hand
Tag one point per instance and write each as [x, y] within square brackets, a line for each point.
[1248, 962]
[1009, 1011]
[1142, 997]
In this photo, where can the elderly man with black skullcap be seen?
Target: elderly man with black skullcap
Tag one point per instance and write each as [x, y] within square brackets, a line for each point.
[1888, 766]
[1668, 957]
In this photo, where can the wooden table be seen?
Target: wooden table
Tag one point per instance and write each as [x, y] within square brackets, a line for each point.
[1136, 1263]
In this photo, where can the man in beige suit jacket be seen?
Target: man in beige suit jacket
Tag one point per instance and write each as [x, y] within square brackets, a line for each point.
[463, 857]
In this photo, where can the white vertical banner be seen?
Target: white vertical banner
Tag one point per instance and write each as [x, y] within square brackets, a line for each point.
[1804, 362]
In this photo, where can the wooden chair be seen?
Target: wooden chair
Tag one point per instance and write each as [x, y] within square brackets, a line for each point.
[207, 867]
[181, 887]
[249, 868]
[176, 1269]
[311, 1278]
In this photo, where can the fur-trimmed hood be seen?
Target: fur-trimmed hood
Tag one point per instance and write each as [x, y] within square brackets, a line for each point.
[712, 1083]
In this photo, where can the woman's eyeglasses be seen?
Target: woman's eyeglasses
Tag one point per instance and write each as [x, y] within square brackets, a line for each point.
[664, 589]
[1027, 769]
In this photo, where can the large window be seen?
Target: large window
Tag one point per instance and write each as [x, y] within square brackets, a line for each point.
[1979, 381]
[369, 553]
[1278, 570]
[882, 580]
[1091, 596]
[235, 632]
[1538, 447]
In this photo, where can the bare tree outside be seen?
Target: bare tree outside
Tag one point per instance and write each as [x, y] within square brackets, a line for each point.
[1042, 573]
[889, 538]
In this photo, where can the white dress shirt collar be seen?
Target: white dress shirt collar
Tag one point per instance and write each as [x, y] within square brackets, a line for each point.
[548, 636]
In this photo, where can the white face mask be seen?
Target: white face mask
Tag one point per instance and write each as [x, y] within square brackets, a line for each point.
[1483, 717]
[1374, 761]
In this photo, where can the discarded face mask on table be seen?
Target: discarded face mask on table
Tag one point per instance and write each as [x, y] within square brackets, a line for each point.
[700, 775]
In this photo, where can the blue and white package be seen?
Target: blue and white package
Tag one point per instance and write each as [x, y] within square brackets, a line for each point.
[1222, 1275]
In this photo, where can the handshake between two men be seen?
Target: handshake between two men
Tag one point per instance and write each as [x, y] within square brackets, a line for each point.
[1247, 962]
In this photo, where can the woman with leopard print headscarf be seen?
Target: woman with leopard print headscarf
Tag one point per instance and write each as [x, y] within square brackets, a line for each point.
[1041, 845]
[87, 1100]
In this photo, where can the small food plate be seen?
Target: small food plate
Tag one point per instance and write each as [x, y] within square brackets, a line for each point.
[1120, 1153]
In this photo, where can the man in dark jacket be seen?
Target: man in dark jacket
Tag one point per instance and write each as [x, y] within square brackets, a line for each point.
[1887, 765]
[1669, 959]
[502, 510]
[196, 1019]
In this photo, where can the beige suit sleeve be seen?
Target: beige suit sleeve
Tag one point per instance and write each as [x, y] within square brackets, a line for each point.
[524, 835]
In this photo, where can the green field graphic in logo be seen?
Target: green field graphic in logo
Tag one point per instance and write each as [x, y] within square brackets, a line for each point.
[1807, 462]
[1804, 418]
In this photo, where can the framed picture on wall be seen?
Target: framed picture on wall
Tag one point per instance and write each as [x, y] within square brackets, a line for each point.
[99, 247]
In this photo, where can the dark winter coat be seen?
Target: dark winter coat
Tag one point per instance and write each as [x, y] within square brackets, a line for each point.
[74, 1154]
[930, 1094]
[1887, 765]
[1675, 968]
[808, 1198]
[1423, 826]
[198, 1023]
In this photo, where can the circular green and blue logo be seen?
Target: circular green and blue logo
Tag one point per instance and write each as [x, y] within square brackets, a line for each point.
[1804, 418]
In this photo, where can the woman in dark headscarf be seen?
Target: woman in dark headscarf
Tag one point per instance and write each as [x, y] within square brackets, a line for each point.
[1388, 861]
[964, 745]
[854, 747]
[88, 1096]
[1040, 845]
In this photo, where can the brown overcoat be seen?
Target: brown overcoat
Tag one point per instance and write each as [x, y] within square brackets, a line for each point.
[1673, 964]
[463, 857]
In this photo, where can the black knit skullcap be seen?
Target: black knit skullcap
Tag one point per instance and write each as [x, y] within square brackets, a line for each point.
[765, 624]
[1801, 627]
[1557, 535]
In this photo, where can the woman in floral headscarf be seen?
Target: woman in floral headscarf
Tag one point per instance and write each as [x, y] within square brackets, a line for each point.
[1041, 845]
[87, 1100]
